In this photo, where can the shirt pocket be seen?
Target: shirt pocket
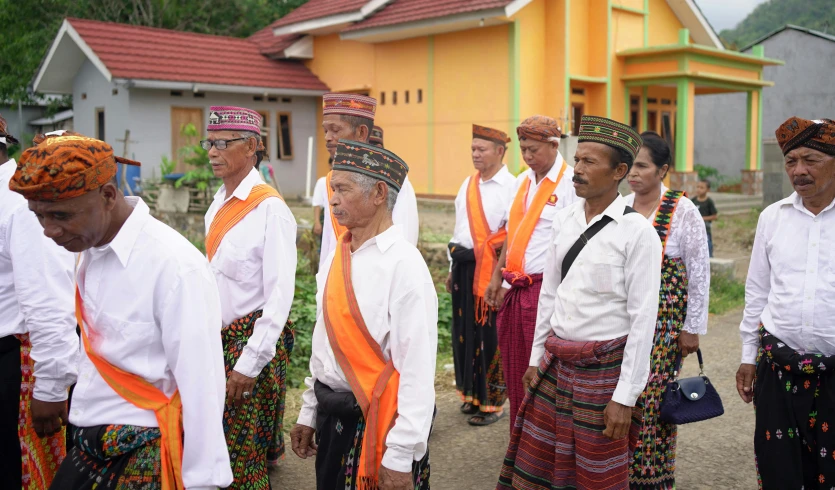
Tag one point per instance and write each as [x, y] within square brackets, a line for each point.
[605, 273]
[236, 262]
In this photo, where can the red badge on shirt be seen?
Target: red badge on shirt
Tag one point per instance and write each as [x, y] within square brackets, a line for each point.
[552, 200]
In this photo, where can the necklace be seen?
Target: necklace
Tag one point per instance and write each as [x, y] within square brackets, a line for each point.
[652, 209]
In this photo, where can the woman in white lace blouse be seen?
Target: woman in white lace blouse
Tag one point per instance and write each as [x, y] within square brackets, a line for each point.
[682, 308]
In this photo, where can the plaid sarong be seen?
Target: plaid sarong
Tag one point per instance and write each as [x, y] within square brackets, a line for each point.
[516, 323]
[557, 441]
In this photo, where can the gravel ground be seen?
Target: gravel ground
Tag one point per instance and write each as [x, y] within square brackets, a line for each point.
[714, 454]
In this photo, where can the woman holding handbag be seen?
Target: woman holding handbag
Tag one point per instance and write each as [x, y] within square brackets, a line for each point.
[682, 308]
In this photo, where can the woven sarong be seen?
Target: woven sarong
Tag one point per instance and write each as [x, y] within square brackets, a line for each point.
[557, 441]
[112, 457]
[794, 433]
[475, 349]
[516, 323]
[254, 429]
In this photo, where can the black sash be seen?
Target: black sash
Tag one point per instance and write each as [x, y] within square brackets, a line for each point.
[584, 238]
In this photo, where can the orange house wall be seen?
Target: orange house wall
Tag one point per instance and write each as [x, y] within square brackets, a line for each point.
[663, 24]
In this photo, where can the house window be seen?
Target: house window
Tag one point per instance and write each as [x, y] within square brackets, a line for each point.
[634, 108]
[100, 123]
[577, 112]
[176, 93]
[578, 91]
[666, 102]
[394, 97]
[652, 121]
[272, 99]
[115, 91]
[286, 100]
[406, 96]
[258, 98]
[285, 136]
[265, 133]
[652, 101]
[382, 98]
[199, 95]
[420, 96]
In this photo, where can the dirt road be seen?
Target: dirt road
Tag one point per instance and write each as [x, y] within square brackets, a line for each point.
[711, 455]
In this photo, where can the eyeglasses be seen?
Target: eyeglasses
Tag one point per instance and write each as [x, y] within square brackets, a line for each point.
[219, 144]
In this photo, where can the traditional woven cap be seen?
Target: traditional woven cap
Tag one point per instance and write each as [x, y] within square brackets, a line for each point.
[230, 118]
[349, 105]
[364, 158]
[490, 134]
[539, 128]
[609, 132]
[5, 137]
[818, 134]
[65, 167]
[376, 136]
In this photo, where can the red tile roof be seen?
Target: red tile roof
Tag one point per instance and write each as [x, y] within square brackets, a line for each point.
[402, 11]
[315, 9]
[148, 53]
[269, 44]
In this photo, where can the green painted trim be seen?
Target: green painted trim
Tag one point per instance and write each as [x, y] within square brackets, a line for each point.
[430, 114]
[681, 125]
[671, 49]
[514, 47]
[684, 37]
[701, 83]
[567, 101]
[644, 108]
[758, 51]
[742, 65]
[631, 10]
[760, 130]
[583, 78]
[646, 23]
[748, 128]
[609, 59]
[666, 77]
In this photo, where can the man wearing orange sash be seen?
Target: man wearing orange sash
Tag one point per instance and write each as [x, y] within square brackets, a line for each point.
[251, 245]
[38, 343]
[368, 409]
[149, 399]
[480, 209]
[351, 117]
[542, 190]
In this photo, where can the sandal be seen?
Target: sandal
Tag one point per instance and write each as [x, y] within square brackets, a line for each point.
[469, 409]
[485, 419]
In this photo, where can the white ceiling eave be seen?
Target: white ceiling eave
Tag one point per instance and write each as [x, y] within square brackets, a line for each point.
[427, 27]
[63, 60]
[331, 23]
[691, 17]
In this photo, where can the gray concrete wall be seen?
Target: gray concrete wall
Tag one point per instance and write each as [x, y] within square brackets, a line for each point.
[14, 118]
[92, 91]
[800, 88]
[150, 112]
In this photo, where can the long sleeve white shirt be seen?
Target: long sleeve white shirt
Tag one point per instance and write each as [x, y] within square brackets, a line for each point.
[320, 193]
[36, 293]
[397, 300]
[687, 240]
[151, 308]
[791, 280]
[405, 214]
[255, 269]
[497, 195]
[611, 290]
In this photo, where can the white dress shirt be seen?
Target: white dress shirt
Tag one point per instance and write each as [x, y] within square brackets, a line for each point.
[791, 280]
[36, 293]
[687, 240]
[320, 193]
[497, 195]
[405, 214]
[611, 290]
[255, 269]
[397, 300]
[151, 308]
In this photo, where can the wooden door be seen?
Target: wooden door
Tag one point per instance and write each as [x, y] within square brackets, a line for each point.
[180, 117]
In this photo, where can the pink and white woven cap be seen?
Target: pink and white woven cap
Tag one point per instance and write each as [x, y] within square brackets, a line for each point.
[229, 118]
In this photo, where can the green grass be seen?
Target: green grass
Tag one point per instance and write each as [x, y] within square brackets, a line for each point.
[430, 237]
[725, 294]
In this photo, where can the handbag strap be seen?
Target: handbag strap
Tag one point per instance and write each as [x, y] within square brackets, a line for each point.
[680, 361]
[584, 238]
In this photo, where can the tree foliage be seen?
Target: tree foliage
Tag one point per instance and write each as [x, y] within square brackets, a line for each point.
[30, 26]
[773, 14]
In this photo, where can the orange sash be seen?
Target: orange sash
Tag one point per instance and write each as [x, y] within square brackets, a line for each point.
[232, 212]
[484, 247]
[373, 380]
[521, 222]
[144, 395]
[338, 230]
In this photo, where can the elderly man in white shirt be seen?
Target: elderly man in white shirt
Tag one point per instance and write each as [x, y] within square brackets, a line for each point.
[149, 400]
[479, 233]
[788, 328]
[38, 342]
[594, 328]
[251, 245]
[370, 396]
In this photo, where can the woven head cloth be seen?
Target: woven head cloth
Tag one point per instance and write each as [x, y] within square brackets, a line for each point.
[490, 134]
[376, 136]
[611, 133]
[818, 134]
[364, 158]
[539, 128]
[349, 105]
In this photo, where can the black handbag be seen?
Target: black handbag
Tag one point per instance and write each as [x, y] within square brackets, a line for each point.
[690, 399]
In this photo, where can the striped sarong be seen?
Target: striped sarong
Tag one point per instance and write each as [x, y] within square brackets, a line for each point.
[557, 441]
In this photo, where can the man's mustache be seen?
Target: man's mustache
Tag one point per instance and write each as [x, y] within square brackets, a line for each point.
[578, 180]
[802, 181]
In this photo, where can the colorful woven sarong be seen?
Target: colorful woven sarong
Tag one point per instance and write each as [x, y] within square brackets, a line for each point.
[475, 349]
[654, 459]
[794, 433]
[112, 457]
[254, 429]
[516, 323]
[557, 441]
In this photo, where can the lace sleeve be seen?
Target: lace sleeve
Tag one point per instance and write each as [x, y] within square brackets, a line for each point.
[696, 257]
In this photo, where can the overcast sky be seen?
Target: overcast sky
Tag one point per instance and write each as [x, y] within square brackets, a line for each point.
[726, 14]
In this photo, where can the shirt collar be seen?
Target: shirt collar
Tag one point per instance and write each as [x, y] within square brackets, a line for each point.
[797, 201]
[8, 169]
[125, 240]
[499, 175]
[384, 240]
[614, 210]
[552, 174]
[252, 179]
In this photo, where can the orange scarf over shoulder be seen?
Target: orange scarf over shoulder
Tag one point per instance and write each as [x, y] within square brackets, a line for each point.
[144, 395]
[373, 380]
[232, 212]
[484, 247]
[338, 230]
[521, 222]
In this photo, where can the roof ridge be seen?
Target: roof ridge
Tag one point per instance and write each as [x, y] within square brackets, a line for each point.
[156, 29]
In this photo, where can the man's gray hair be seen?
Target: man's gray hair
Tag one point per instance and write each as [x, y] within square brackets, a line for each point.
[367, 183]
[249, 134]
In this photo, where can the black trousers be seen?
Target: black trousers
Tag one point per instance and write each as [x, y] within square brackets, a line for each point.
[10, 378]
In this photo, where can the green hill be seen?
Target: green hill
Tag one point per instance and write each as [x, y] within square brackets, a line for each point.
[773, 14]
